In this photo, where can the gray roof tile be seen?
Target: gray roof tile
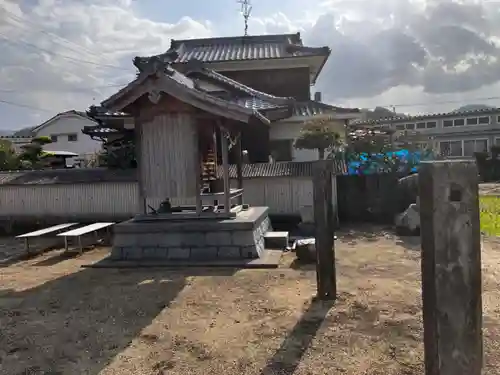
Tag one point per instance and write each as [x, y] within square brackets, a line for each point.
[242, 48]
[314, 108]
[67, 176]
[94, 175]
[386, 120]
[280, 169]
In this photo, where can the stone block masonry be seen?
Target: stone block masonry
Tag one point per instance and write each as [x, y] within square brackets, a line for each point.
[191, 241]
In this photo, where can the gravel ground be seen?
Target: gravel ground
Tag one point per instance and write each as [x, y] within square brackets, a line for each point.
[57, 318]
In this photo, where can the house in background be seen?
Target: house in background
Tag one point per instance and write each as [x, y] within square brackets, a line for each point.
[65, 130]
[278, 65]
[457, 134]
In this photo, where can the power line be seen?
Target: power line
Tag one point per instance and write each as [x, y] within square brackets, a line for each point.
[25, 106]
[70, 90]
[23, 42]
[12, 16]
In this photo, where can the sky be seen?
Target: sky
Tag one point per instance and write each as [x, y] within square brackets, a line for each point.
[419, 56]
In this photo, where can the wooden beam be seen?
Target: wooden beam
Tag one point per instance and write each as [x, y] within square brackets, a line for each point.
[323, 219]
[451, 267]
[225, 168]
[198, 166]
[239, 167]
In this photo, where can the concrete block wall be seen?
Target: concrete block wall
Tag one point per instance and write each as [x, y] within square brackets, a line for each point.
[194, 245]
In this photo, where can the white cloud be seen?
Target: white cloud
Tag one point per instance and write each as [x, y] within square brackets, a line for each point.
[384, 52]
[85, 44]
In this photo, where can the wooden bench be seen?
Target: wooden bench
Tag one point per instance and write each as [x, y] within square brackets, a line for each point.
[79, 232]
[42, 232]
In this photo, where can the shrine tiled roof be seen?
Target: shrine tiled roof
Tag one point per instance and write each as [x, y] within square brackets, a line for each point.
[228, 94]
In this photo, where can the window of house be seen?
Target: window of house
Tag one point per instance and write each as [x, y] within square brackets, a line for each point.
[498, 119]
[281, 149]
[469, 147]
[447, 123]
[472, 121]
[497, 141]
[400, 127]
[53, 138]
[481, 145]
[475, 145]
[451, 148]
[410, 126]
[72, 137]
[459, 122]
[484, 120]
[431, 124]
[420, 125]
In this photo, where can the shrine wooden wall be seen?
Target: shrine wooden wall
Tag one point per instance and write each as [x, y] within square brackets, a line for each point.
[168, 158]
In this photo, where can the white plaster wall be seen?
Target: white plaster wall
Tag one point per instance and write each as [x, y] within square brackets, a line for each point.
[70, 124]
[291, 130]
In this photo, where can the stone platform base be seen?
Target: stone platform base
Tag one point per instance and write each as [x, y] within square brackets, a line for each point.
[193, 240]
[269, 259]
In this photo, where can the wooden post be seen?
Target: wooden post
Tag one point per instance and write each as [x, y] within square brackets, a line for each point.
[225, 167]
[239, 167]
[451, 267]
[198, 168]
[138, 155]
[323, 219]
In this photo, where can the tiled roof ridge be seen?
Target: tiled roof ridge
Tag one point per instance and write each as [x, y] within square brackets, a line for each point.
[157, 67]
[292, 38]
[328, 106]
[427, 116]
[16, 136]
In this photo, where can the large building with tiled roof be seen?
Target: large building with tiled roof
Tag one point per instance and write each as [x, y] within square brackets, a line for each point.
[276, 64]
[264, 77]
[455, 134]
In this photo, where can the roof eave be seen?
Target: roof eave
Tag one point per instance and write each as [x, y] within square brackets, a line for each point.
[320, 69]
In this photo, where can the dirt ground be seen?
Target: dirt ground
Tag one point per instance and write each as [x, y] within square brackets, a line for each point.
[489, 189]
[57, 318]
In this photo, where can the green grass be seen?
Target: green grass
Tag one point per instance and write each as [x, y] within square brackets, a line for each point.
[490, 214]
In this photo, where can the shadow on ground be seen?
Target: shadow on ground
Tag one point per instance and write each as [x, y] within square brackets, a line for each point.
[289, 354]
[78, 323]
[409, 242]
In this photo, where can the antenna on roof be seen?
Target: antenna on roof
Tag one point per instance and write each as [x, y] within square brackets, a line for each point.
[246, 10]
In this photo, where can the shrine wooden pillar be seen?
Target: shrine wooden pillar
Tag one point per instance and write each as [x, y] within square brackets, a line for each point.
[224, 139]
[239, 167]
[198, 168]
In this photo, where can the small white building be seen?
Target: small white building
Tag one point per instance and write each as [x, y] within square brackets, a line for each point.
[65, 130]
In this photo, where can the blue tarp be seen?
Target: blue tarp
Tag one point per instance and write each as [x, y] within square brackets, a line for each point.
[366, 165]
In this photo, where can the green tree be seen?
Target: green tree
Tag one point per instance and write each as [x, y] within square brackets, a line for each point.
[318, 135]
[32, 155]
[8, 158]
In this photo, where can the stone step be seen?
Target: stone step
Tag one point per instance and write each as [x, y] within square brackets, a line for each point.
[276, 240]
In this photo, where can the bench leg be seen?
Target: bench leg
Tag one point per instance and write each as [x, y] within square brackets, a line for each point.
[65, 244]
[27, 245]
